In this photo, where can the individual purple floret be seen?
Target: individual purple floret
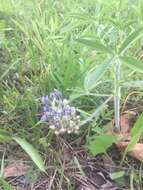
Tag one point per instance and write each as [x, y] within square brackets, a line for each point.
[45, 100]
[60, 116]
[55, 94]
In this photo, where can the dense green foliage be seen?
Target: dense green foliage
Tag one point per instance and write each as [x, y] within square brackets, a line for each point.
[90, 50]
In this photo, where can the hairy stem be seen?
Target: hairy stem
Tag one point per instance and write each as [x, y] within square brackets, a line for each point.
[117, 94]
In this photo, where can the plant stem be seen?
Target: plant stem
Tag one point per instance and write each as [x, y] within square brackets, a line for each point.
[117, 95]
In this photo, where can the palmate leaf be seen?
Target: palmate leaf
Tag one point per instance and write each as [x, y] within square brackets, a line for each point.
[95, 44]
[94, 75]
[101, 144]
[130, 39]
[31, 151]
[133, 63]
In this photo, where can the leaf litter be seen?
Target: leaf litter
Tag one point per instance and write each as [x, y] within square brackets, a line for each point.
[15, 169]
[98, 170]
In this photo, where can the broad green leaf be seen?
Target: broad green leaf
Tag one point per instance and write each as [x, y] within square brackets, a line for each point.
[33, 153]
[116, 175]
[138, 126]
[130, 39]
[95, 44]
[136, 133]
[5, 185]
[133, 63]
[136, 84]
[133, 142]
[94, 75]
[101, 144]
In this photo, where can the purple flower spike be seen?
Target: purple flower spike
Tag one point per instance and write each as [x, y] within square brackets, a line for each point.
[57, 112]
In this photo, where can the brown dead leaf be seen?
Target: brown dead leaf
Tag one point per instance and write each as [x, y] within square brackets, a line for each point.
[67, 155]
[136, 152]
[126, 121]
[125, 124]
[16, 169]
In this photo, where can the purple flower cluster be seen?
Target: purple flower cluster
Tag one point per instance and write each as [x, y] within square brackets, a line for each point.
[60, 116]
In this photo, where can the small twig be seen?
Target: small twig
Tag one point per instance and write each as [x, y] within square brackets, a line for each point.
[52, 180]
[125, 102]
[43, 182]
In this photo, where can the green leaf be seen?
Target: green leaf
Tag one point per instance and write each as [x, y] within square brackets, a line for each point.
[136, 133]
[133, 63]
[135, 84]
[101, 144]
[130, 39]
[32, 152]
[141, 10]
[134, 139]
[95, 44]
[116, 175]
[5, 185]
[94, 75]
[138, 126]
[4, 136]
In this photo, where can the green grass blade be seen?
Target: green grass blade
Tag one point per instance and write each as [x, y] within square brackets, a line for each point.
[4, 136]
[141, 10]
[2, 166]
[8, 69]
[95, 44]
[130, 39]
[5, 185]
[133, 63]
[33, 153]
